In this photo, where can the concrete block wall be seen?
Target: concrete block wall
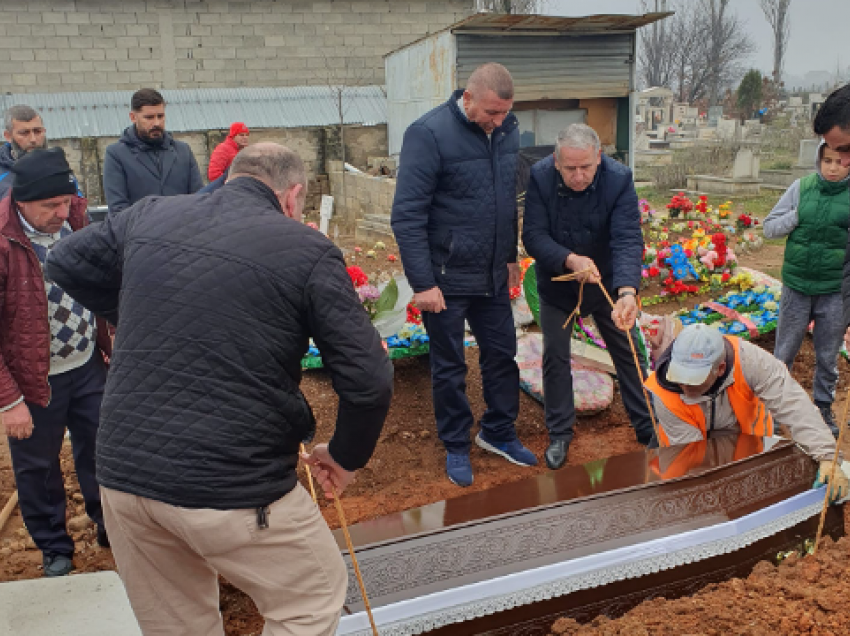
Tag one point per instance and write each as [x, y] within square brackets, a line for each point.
[361, 195]
[102, 45]
[315, 146]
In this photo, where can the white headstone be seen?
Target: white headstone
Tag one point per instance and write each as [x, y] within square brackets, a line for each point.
[808, 148]
[747, 164]
[727, 128]
[326, 211]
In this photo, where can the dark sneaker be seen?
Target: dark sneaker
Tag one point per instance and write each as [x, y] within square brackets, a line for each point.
[459, 469]
[102, 537]
[556, 454]
[513, 451]
[57, 565]
[829, 418]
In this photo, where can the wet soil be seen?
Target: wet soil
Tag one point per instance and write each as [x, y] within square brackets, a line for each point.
[801, 596]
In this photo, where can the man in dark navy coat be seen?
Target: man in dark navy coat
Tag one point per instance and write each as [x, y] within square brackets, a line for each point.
[581, 215]
[455, 220]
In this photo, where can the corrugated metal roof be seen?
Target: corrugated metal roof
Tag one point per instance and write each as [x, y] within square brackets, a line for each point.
[516, 24]
[68, 115]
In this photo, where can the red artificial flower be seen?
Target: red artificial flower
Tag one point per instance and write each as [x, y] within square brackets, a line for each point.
[689, 253]
[414, 315]
[514, 292]
[357, 275]
[653, 271]
[726, 276]
[392, 258]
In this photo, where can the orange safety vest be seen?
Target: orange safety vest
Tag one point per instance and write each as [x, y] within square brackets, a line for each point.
[751, 412]
[693, 455]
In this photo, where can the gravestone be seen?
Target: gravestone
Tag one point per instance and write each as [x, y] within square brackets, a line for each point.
[808, 148]
[715, 114]
[747, 164]
[728, 129]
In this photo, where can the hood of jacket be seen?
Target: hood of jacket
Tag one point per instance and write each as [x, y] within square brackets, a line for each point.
[818, 157]
[131, 138]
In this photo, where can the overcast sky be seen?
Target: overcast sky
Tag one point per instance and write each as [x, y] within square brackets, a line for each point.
[820, 30]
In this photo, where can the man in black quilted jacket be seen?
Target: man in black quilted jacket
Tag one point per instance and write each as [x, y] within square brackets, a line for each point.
[215, 297]
[455, 220]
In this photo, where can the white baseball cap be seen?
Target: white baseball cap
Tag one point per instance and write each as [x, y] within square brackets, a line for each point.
[696, 351]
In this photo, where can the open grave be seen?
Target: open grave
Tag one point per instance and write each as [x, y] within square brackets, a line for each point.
[586, 540]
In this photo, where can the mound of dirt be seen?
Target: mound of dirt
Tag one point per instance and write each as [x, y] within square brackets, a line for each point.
[800, 596]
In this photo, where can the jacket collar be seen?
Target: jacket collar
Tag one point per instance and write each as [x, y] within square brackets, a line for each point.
[10, 224]
[144, 151]
[509, 124]
[249, 185]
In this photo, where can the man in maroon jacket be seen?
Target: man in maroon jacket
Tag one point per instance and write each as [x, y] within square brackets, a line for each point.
[52, 367]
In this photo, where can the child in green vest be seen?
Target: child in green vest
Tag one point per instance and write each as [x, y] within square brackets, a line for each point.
[814, 213]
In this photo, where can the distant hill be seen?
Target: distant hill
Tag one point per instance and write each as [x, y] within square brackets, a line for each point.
[818, 79]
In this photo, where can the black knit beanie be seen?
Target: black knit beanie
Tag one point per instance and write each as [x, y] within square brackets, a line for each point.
[42, 174]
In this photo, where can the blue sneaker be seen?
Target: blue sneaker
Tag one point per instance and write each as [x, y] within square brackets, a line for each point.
[513, 451]
[459, 469]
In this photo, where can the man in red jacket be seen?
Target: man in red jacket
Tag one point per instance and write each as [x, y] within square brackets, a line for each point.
[52, 368]
[226, 151]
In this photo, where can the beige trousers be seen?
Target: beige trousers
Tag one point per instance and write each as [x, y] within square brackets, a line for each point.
[169, 558]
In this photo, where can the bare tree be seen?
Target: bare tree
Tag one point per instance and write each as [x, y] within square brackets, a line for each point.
[729, 46]
[698, 53]
[655, 62]
[511, 6]
[776, 12]
[343, 78]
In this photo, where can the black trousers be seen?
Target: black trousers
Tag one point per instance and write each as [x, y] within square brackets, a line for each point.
[492, 323]
[74, 404]
[558, 396]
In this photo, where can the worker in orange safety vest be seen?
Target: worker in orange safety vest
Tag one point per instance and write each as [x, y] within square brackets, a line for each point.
[708, 382]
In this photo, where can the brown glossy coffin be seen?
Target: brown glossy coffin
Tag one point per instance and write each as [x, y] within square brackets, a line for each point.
[578, 511]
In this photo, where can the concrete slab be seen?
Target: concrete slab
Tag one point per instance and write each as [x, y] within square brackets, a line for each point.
[91, 604]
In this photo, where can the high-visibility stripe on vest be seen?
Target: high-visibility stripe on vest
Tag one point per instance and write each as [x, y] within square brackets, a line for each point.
[751, 413]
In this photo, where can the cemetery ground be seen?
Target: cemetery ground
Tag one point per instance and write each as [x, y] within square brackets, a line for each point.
[408, 470]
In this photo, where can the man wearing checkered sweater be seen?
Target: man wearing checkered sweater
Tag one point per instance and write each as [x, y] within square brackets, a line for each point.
[52, 367]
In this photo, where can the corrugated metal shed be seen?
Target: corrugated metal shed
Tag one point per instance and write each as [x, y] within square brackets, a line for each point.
[553, 67]
[549, 57]
[69, 115]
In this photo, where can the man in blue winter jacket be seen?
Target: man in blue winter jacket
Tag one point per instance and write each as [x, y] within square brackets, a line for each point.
[581, 215]
[455, 220]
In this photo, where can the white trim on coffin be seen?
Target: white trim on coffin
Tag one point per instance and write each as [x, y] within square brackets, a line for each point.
[425, 613]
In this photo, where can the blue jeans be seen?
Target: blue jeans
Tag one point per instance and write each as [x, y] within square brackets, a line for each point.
[492, 324]
[75, 404]
[796, 311]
